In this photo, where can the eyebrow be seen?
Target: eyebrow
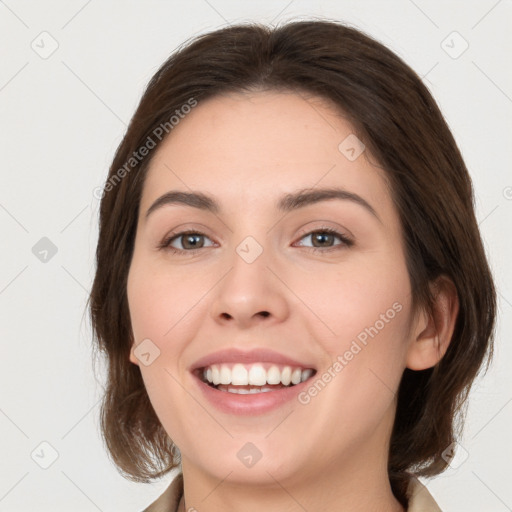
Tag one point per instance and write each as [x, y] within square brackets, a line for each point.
[286, 203]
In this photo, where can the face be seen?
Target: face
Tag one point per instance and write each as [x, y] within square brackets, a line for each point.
[322, 282]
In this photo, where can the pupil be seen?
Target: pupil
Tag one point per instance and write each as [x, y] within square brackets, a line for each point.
[188, 238]
[324, 236]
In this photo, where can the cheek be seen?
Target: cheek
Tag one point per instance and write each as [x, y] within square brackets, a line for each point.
[161, 306]
[162, 303]
[359, 315]
[344, 301]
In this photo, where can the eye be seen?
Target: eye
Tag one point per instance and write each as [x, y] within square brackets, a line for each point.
[190, 242]
[326, 236]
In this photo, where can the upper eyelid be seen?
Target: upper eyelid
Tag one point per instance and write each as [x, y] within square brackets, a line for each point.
[203, 230]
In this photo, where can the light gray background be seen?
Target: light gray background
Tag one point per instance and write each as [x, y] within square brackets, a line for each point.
[61, 119]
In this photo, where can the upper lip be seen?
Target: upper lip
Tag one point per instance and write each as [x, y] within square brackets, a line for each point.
[232, 355]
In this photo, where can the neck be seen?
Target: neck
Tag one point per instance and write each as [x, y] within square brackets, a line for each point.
[354, 479]
[355, 487]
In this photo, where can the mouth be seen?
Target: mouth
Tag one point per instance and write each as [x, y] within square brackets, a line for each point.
[252, 378]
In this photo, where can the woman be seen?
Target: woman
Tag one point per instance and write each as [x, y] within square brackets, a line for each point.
[291, 287]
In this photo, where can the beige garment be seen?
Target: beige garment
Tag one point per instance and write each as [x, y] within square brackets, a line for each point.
[420, 500]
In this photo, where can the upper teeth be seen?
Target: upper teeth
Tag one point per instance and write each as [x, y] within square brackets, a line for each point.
[255, 374]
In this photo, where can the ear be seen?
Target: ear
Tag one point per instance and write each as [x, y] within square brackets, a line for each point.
[432, 333]
[133, 359]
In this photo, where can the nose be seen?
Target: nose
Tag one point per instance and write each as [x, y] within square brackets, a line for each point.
[250, 293]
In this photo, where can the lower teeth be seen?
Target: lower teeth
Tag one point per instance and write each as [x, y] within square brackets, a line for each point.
[246, 390]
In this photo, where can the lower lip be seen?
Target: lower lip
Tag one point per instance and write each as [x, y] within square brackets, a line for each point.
[250, 404]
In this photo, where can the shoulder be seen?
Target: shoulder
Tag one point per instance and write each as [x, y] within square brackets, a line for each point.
[169, 500]
[420, 500]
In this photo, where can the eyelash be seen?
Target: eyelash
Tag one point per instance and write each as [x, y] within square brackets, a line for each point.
[347, 242]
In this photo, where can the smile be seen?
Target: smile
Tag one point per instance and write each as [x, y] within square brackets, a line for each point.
[251, 389]
[253, 378]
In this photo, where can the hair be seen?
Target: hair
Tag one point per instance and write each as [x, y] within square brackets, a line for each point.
[395, 116]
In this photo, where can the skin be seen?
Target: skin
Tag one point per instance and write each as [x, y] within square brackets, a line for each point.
[247, 150]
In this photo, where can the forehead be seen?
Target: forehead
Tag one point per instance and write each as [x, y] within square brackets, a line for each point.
[252, 148]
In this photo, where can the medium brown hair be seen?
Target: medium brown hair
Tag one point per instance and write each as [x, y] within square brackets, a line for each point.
[397, 119]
